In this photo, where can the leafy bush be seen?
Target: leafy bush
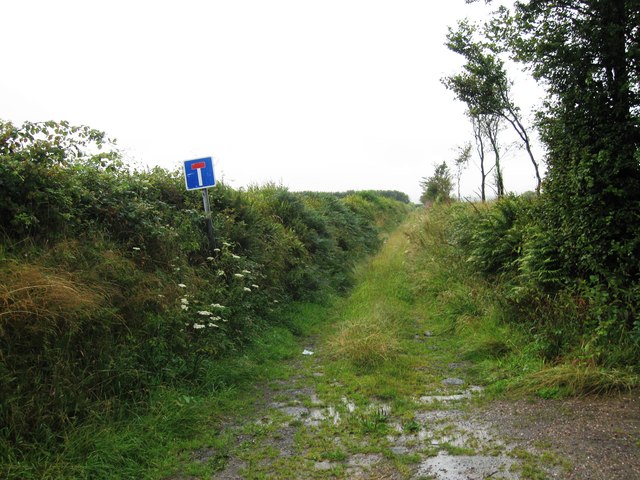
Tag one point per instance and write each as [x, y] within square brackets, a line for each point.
[511, 243]
[110, 286]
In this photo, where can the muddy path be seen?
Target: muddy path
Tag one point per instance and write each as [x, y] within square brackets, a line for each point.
[298, 433]
[308, 426]
[422, 414]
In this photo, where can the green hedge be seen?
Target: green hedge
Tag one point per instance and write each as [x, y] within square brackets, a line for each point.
[110, 286]
[587, 317]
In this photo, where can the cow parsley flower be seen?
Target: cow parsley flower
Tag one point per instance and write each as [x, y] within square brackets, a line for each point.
[205, 313]
[217, 305]
[184, 301]
[198, 326]
[247, 272]
[182, 285]
[238, 275]
[247, 289]
[184, 307]
[255, 286]
[235, 256]
[213, 325]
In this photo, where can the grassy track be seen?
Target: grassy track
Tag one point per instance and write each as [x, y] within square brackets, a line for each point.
[387, 392]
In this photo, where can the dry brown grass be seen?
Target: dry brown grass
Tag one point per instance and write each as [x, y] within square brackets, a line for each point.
[578, 378]
[34, 298]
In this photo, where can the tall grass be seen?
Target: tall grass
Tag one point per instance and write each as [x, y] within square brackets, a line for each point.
[373, 315]
[475, 267]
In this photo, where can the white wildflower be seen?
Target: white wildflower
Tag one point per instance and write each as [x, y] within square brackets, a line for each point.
[217, 305]
[213, 325]
[198, 326]
[184, 307]
[177, 269]
[238, 275]
[235, 256]
[247, 272]
[220, 273]
[137, 249]
[226, 244]
[255, 286]
[182, 285]
[276, 301]
[215, 319]
[216, 250]
[160, 295]
[184, 301]
[209, 258]
[205, 313]
[247, 289]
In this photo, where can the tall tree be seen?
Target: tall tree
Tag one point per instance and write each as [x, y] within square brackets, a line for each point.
[479, 136]
[437, 188]
[484, 85]
[461, 162]
[587, 54]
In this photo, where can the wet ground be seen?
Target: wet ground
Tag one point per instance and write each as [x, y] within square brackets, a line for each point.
[298, 434]
[307, 426]
[600, 436]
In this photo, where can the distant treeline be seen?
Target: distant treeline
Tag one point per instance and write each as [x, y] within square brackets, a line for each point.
[392, 194]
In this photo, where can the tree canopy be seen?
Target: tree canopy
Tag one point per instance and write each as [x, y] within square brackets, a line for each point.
[437, 187]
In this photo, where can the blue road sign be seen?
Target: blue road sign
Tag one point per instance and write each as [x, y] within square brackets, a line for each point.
[199, 173]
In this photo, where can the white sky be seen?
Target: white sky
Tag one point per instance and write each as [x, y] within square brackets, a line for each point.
[324, 95]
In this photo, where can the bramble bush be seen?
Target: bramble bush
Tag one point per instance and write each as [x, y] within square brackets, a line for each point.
[110, 288]
[590, 316]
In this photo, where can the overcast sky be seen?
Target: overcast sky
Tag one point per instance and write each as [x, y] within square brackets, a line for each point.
[323, 95]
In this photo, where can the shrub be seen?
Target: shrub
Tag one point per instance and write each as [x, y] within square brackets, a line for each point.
[110, 286]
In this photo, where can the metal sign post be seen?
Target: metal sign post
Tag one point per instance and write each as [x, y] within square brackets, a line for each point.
[198, 175]
[207, 212]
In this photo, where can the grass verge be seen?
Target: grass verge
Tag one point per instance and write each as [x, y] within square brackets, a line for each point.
[176, 422]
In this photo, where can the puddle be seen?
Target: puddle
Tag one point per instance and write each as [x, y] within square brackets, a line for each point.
[452, 398]
[415, 439]
[400, 450]
[364, 460]
[324, 465]
[351, 407]
[295, 412]
[434, 416]
[466, 467]
[453, 381]
[315, 417]
[334, 414]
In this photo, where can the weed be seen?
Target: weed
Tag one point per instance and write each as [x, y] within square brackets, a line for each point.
[336, 455]
[452, 449]
[411, 426]
[374, 422]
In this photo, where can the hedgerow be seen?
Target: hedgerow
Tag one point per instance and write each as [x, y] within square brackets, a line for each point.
[110, 287]
[589, 316]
